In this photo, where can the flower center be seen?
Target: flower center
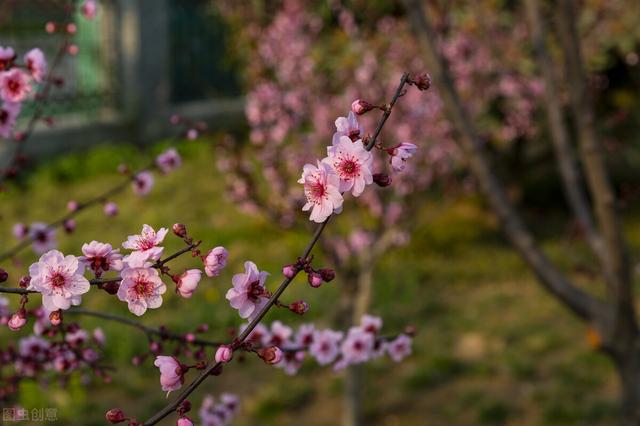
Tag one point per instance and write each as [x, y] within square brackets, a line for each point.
[41, 236]
[354, 134]
[14, 85]
[4, 116]
[255, 291]
[142, 287]
[348, 168]
[358, 346]
[57, 280]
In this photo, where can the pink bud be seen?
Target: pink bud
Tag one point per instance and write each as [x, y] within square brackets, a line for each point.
[72, 205]
[55, 317]
[271, 355]
[111, 209]
[192, 134]
[50, 27]
[73, 50]
[24, 281]
[224, 354]
[315, 279]
[299, 307]
[289, 271]
[190, 337]
[180, 230]
[184, 421]
[69, 225]
[72, 28]
[360, 107]
[18, 320]
[115, 415]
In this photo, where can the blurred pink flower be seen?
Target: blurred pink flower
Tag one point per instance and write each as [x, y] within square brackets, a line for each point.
[89, 9]
[168, 161]
[142, 183]
[14, 85]
[8, 115]
[36, 64]
[399, 348]
[325, 347]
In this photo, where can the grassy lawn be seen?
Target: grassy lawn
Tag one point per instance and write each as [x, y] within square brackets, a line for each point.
[492, 348]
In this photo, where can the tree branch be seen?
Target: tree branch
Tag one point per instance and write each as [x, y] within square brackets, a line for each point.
[567, 166]
[593, 157]
[274, 298]
[581, 303]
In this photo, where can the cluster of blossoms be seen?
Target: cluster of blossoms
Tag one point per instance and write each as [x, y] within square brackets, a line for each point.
[61, 279]
[280, 346]
[51, 351]
[17, 78]
[347, 167]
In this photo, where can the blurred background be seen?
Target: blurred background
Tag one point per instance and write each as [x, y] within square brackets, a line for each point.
[248, 92]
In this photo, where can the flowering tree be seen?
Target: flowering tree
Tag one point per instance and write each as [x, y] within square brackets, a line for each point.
[140, 275]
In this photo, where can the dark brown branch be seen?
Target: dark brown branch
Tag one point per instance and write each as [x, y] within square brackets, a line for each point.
[274, 297]
[572, 182]
[150, 331]
[594, 159]
[581, 303]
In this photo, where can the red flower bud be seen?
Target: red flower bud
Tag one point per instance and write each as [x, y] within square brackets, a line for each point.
[382, 179]
[271, 355]
[111, 287]
[3, 275]
[180, 230]
[327, 274]
[55, 317]
[422, 81]
[115, 415]
[299, 307]
[360, 107]
[24, 281]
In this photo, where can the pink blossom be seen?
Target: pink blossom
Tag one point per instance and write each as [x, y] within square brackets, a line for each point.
[192, 134]
[352, 162]
[304, 336]
[73, 49]
[36, 64]
[72, 205]
[349, 127]
[361, 107]
[399, 348]
[100, 257]
[258, 335]
[188, 282]
[110, 209]
[20, 230]
[371, 324]
[325, 347]
[59, 279]
[33, 347]
[280, 335]
[8, 115]
[291, 362]
[14, 85]
[43, 237]
[168, 161]
[89, 9]
[248, 294]
[171, 373]
[142, 183]
[77, 337]
[142, 289]
[400, 154]
[215, 261]
[357, 346]
[224, 354]
[321, 187]
[146, 244]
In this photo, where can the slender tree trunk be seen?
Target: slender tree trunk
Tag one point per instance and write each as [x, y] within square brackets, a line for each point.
[628, 366]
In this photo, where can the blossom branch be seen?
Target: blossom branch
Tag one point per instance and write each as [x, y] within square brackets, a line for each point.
[213, 367]
[100, 281]
[42, 99]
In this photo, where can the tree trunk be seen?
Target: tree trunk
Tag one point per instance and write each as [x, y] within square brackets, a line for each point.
[628, 366]
[359, 294]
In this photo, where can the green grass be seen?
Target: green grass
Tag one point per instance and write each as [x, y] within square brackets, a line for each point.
[492, 348]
